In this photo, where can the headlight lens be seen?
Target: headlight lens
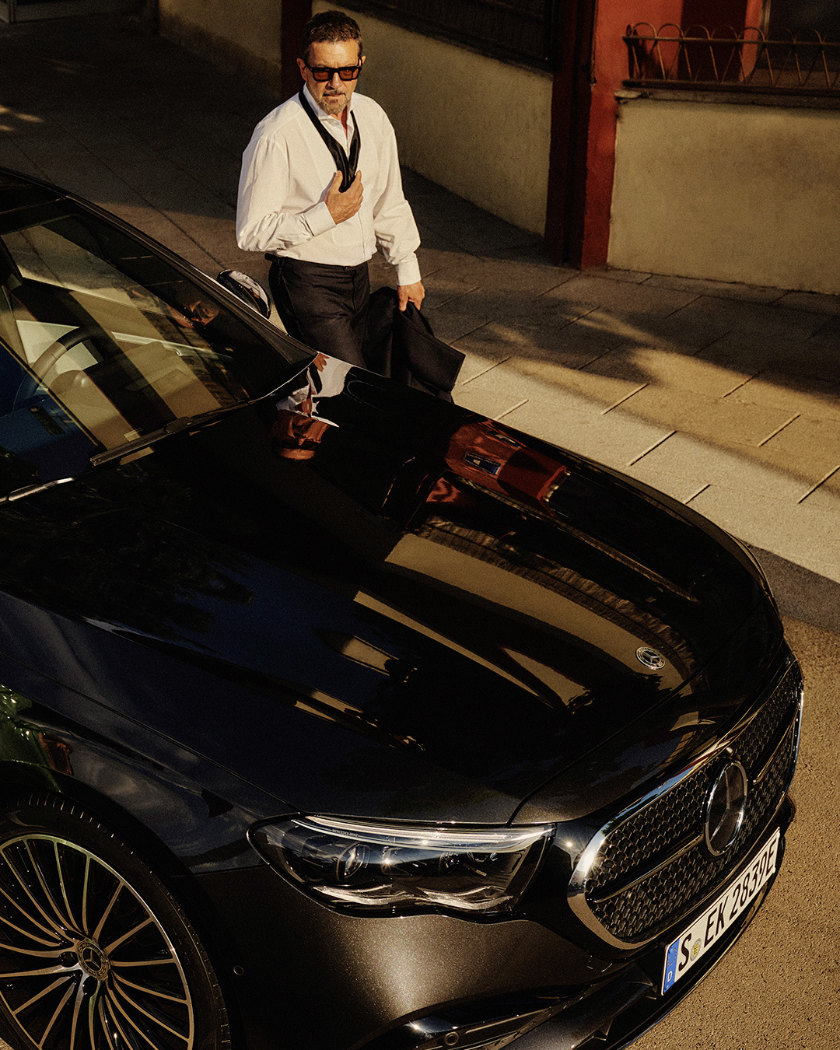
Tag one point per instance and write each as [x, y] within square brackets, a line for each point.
[374, 866]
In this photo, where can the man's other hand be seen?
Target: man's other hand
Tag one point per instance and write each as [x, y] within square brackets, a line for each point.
[411, 293]
[344, 205]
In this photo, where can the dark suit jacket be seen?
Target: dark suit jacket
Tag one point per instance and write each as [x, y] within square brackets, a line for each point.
[400, 344]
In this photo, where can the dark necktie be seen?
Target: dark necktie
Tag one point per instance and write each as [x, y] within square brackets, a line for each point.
[346, 165]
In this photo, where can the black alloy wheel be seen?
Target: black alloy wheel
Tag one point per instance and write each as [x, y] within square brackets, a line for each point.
[95, 954]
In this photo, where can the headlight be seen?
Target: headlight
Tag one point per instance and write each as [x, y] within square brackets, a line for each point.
[373, 866]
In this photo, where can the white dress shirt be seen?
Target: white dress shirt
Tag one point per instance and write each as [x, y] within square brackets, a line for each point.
[286, 172]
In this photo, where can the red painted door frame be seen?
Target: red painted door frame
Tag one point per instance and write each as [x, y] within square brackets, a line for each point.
[592, 63]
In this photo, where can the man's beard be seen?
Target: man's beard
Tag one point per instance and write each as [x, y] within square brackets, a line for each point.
[333, 104]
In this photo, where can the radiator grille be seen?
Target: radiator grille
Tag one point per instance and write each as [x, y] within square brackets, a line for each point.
[654, 867]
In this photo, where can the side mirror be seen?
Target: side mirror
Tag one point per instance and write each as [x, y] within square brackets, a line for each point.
[247, 289]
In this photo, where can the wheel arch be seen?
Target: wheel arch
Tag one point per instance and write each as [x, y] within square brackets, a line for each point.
[90, 905]
[20, 782]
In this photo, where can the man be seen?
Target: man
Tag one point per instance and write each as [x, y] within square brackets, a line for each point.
[320, 192]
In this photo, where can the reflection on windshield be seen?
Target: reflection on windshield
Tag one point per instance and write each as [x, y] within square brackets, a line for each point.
[103, 342]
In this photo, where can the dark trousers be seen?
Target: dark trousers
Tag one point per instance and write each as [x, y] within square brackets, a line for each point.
[323, 306]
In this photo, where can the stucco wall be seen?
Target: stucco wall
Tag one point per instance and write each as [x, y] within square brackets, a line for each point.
[728, 192]
[246, 38]
[474, 125]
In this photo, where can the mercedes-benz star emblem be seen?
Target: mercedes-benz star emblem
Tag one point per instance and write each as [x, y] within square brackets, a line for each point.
[725, 807]
[94, 961]
[652, 659]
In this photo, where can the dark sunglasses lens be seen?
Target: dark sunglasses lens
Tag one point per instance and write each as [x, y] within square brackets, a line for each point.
[323, 73]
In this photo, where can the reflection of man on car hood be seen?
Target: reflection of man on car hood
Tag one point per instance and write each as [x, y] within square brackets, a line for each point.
[297, 431]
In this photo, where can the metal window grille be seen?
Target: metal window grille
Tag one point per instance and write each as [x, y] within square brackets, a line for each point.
[522, 31]
[748, 61]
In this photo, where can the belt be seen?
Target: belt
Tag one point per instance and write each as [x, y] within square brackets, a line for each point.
[304, 266]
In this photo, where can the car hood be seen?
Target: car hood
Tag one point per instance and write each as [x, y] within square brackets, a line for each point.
[369, 602]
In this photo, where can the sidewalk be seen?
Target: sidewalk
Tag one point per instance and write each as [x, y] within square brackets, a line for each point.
[724, 396]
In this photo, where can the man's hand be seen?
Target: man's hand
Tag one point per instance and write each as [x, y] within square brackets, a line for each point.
[344, 205]
[411, 293]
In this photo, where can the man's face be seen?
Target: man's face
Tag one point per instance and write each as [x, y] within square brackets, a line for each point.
[331, 95]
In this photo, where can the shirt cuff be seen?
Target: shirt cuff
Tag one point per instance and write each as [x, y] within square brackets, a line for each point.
[318, 219]
[408, 270]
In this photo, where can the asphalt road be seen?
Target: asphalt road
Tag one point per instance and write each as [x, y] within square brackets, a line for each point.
[779, 986]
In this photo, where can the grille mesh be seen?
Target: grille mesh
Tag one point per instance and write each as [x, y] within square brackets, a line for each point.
[633, 906]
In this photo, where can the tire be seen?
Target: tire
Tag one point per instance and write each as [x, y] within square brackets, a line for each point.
[95, 954]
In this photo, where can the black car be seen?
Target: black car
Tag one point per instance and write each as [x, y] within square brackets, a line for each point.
[333, 715]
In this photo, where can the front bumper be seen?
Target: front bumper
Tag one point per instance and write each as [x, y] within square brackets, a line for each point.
[542, 980]
[299, 975]
[608, 1015]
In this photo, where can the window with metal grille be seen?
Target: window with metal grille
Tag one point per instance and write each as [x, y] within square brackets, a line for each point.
[711, 59]
[523, 31]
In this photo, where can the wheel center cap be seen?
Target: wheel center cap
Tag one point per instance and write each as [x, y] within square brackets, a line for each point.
[93, 960]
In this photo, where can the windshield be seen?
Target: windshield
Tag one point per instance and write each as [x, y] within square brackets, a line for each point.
[103, 342]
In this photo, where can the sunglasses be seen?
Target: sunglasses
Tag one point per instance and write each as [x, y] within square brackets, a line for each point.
[324, 73]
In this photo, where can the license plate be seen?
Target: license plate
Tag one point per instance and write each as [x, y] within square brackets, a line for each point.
[699, 938]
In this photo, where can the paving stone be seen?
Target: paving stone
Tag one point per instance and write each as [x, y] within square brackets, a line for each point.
[431, 240]
[623, 298]
[444, 285]
[608, 327]
[685, 331]
[806, 438]
[603, 390]
[810, 301]
[765, 319]
[673, 485]
[568, 420]
[13, 155]
[524, 275]
[457, 317]
[164, 185]
[747, 293]
[668, 372]
[487, 400]
[813, 398]
[827, 337]
[549, 348]
[525, 375]
[716, 420]
[541, 312]
[813, 357]
[703, 464]
[477, 236]
[439, 259]
[825, 498]
[629, 276]
[808, 465]
[791, 530]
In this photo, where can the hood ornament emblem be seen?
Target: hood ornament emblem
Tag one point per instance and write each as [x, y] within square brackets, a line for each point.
[652, 659]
